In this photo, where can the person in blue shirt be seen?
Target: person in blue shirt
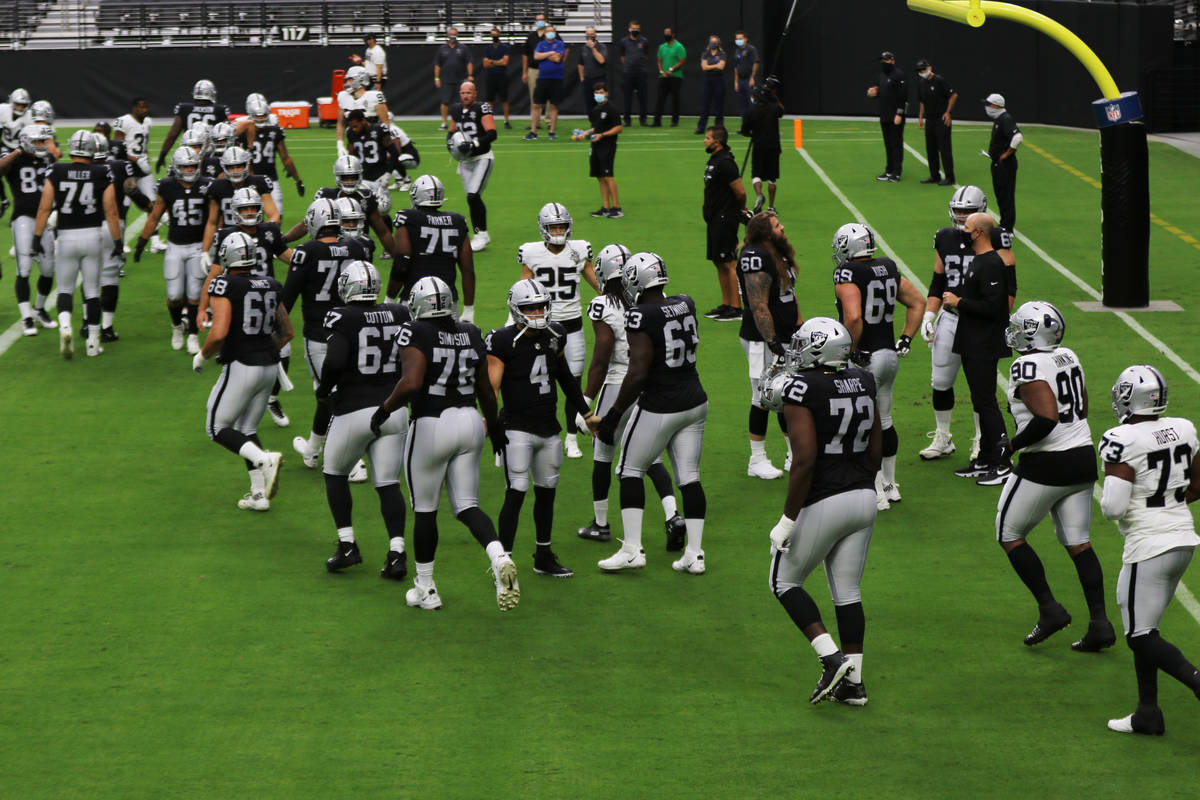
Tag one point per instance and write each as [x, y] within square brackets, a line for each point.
[495, 61]
[551, 57]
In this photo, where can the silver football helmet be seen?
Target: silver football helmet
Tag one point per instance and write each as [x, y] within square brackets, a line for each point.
[42, 111]
[238, 251]
[322, 214]
[35, 139]
[347, 173]
[353, 220]
[185, 164]
[771, 386]
[852, 240]
[247, 206]
[235, 163]
[642, 271]
[1035, 325]
[430, 297]
[19, 97]
[1140, 389]
[526, 295]
[196, 137]
[965, 201]
[258, 109]
[81, 145]
[427, 192]
[459, 144]
[819, 342]
[101, 144]
[552, 215]
[205, 90]
[358, 281]
[220, 137]
[357, 77]
[610, 261]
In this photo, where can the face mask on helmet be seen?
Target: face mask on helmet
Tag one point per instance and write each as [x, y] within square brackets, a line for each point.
[249, 215]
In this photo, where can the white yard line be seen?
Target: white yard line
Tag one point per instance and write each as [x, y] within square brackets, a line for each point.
[9, 336]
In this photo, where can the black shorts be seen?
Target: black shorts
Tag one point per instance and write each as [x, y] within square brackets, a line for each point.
[601, 161]
[764, 165]
[723, 240]
[448, 93]
[548, 90]
[497, 89]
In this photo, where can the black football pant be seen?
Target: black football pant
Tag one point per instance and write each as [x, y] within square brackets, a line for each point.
[937, 148]
[629, 85]
[893, 146]
[1004, 188]
[668, 86]
[980, 372]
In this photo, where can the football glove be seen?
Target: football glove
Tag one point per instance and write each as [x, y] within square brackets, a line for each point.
[162, 159]
[118, 250]
[206, 260]
[903, 346]
[776, 348]
[860, 358]
[927, 326]
[581, 420]
[468, 314]
[38, 249]
[498, 438]
[606, 429]
[138, 249]
[300, 187]
[198, 362]
[781, 534]
[377, 419]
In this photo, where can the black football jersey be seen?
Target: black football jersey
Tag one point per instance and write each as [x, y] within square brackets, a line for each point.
[222, 190]
[187, 208]
[878, 282]
[436, 237]
[121, 169]
[956, 253]
[371, 365]
[371, 148]
[528, 388]
[368, 244]
[672, 383]
[26, 178]
[313, 276]
[843, 409]
[253, 300]
[365, 199]
[470, 121]
[781, 304]
[452, 355]
[210, 166]
[79, 193]
[270, 245]
[192, 112]
[262, 151]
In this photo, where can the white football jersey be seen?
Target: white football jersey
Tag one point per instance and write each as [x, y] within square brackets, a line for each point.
[558, 273]
[401, 138]
[10, 128]
[1160, 452]
[1060, 369]
[611, 312]
[137, 134]
[367, 102]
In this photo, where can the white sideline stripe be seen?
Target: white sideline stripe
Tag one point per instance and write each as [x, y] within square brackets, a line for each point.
[9, 336]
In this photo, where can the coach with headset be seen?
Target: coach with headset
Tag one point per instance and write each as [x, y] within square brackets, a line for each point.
[892, 92]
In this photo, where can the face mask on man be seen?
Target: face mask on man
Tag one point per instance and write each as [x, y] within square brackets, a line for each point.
[993, 112]
[886, 67]
[495, 40]
[712, 148]
[541, 23]
[740, 42]
[713, 46]
[599, 98]
[634, 32]
[550, 35]
[927, 74]
[669, 37]
[451, 39]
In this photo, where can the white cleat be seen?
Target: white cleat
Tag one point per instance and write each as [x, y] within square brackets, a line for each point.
[892, 490]
[29, 327]
[787, 462]
[508, 592]
[254, 501]
[625, 558]
[359, 473]
[423, 597]
[881, 495]
[66, 345]
[92, 345]
[571, 445]
[763, 468]
[480, 240]
[499, 460]
[270, 470]
[310, 457]
[157, 245]
[975, 449]
[193, 343]
[278, 416]
[942, 445]
[691, 563]
[177, 337]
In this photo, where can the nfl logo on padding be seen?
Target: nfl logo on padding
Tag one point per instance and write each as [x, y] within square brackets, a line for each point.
[1113, 112]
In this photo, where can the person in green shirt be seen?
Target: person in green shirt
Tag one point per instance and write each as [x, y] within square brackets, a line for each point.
[670, 77]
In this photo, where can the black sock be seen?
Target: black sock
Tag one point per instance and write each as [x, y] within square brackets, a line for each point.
[601, 479]
[321, 417]
[569, 411]
[1091, 578]
[66, 302]
[543, 516]
[510, 515]
[108, 297]
[658, 475]
[391, 506]
[782, 423]
[44, 284]
[800, 607]
[478, 212]
[943, 399]
[1029, 568]
[176, 313]
[22, 287]
[758, 421]
[633, 493]
[479, 525]
[425, 536]
[337, 492]
[231, 440]
[193, 317]
[891, 442]
[695, 504]
[1167, 657]
[1147, 678]
[852, 626]
[91, 311]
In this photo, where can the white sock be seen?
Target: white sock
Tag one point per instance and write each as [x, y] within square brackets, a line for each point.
[252, 453]
[888, 468]
[977, 426]
[942, 419]
[631, 521]
[346, 534]
[64, 319]
[424, 574]
[758, 450]
[571, 439]
[494, 550]
[258, 482]
[669, 509]
[315, 443]
[600, 510]
[106, 318]
[824, 645]
[695, 533]
[855, 676]
[396, 544]
[24, 310]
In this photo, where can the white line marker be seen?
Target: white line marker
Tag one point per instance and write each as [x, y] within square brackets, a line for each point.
[9, 336]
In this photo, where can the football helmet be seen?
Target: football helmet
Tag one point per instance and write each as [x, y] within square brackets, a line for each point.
[220, 137]
[459, 145]
[430, 297]
[243, 200]
[357, 77]
[852, 240]
[19, 97]
[771, 386]
[196, 137]
[235, 163]
[427, 192]
[610, 262]
[205, 90]
[819, 342]
[101, 144]
[322, 213]
[358, 281]
[1140, 389]
[965, 201]
[524, 295]
[258, 109]
[35, 139]
[238, 251]
[554, 214]
[185, 163]
[353, 220]
[347, 173]
[81, 145]
[42, 111]
[1035, 325]
[642, 271]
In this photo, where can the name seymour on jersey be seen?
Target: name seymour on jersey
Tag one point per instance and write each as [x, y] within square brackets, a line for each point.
[675, 310]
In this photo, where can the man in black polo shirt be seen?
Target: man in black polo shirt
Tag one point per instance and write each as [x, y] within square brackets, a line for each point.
[606, 127]
[634, 49]
[529, 67]
[761, 124]
[937, 98]
[892, 92]
[495, 61]
[724, 208]
[593, 66]
[451, 66]
[745, 59]
[1002, 149]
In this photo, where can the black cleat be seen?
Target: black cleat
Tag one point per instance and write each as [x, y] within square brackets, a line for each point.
[973, 469]
[1147, 720]
[676, 534]
[1048, 625]
[396, 566]
[852, 694]
[346, 555]
[995, 476]
[833, 669]
[109, 335]
[597, 533]
[29, 327]
[1099, 635]
[44, 319]
[547, 564]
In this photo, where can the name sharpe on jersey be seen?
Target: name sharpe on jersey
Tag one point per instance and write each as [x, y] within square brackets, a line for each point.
[849, 385]
[460, 338]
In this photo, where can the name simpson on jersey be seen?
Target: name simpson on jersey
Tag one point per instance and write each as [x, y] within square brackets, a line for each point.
[462, 339]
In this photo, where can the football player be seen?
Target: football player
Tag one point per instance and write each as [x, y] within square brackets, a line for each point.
[354, 225]
[372, 144]
[183, 197]
[14, 116]
[1047, 397]
[525, 360]
[347, 174]
[829, 514]
[267, 145]
[358, 94]
[472, 148]
[42, 113]
[134, 130]
[867, 289]
[610, 362]
[767, 280]
[444, 374]
[432, 242]
[671, 409]
[249, 328]
[83, 195]
[125, 185]
[1151, 473]
[557, 262]
[235, 163]
[953, 257]
[358, 373]
[312, 278]
[203, 107]
[410, 157]
[26, 169]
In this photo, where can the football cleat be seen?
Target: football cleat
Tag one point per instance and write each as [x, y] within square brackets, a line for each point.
[396, 566]
[423, 597]
[547, 564]
[93, 347]
[66, 345]
[758, 203]
[571, 446]
[973, 469]
[177, 337]
[277, 415]
[615, 212]
[1146, 720]
[881, 495]
[1099, 635]
[359, 473]
[270, 470]
[254, 501]
[713, 313]
[44, 319]
[833, 669]
[480, 240]
[763, 468]
[691, 563]
[309, 457]
[787, 462]
[193, 343]
[851, 694]
[157, 245]
[1048, 625]
[625, 558]
[995, 475]
[595, 532]
[508, 592]
[109, 335]
[942, 445]
[29, 327]
[676, 533]
[892, 491]
[346, 555]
